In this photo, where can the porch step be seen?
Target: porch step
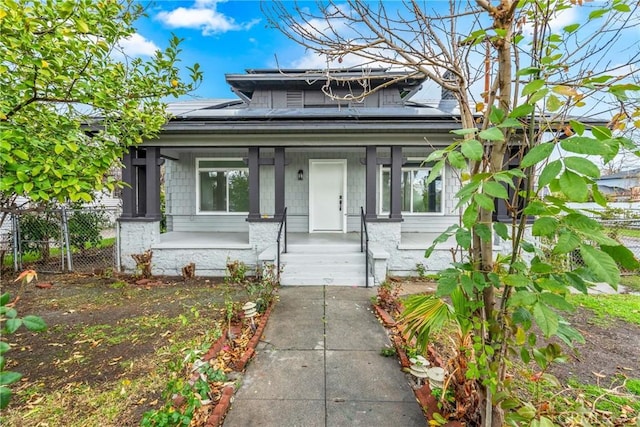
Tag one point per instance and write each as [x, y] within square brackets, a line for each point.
[339, 265]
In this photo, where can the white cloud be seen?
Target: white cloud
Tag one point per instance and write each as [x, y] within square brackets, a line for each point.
[564, 17]
[203, 15]
[137, 45]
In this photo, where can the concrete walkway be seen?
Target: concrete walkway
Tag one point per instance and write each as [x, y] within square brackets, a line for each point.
[320, 365]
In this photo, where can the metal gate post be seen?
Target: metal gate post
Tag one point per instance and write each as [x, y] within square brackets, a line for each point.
[65, 237]
[15, 234]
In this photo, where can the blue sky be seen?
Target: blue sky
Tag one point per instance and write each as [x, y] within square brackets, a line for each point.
[223, 37]
[229, 36]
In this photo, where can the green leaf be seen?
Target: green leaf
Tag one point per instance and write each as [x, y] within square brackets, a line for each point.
[12, 325]
[58, 149]
[8, 377]
[532, 86]
[520, 281]
[544, 226]
[602, 133]
[457, 160]
[574, 186]
[465, 131]
[4, 347]
[34, 323]
[492, 134]
[484, 201]
[621, 7]
[82, 26]
[598, 197]
[472, 149]
[528, 71]
[571, 28]
[546, 319]
[557, 301]
[463, 238]
[567, 242]
[501, 230]
[537, 96]
[537, 154]
[554, 103]
[584, 145]
[20, 154]
[549, 173]
[496, 115]
[495, 189]
[510, 122]
[435, 155]
[582, 165]
[601, 264]
[483, 231]
[5, 396]
[435, 172]
[4, 298]
[521, 111]
[623, 256]
[470, 215]
[577, 127]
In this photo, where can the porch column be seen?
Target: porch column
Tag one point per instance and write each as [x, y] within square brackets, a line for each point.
[152, 187]
[129, 192]
[278, 163]
[254, 183]
[370, 182]
[141, 189]
[396, 177]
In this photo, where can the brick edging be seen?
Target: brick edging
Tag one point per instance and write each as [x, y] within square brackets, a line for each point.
[216, 418]
[427, 401]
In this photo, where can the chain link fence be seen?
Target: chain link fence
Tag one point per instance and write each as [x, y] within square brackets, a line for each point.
[59, 240]
[626, 231]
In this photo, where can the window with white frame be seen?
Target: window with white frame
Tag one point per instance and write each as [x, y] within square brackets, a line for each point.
[416, 196]
[222, 185]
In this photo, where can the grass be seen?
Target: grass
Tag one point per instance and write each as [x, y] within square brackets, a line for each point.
[631, 282]
[627, 232]
[620, 306]
[575, 403]
[34, 256]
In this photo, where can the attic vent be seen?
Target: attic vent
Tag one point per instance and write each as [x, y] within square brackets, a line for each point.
[294, 99]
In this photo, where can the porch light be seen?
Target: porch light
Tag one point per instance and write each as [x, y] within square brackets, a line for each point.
[300, 174]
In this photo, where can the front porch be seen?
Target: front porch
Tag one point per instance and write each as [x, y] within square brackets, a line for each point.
[335, 257]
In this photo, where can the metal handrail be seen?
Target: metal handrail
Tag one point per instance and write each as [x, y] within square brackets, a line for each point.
[283, 225]
[364, 244]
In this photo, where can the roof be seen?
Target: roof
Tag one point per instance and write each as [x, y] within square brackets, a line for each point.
[631, 173]
[316, 79]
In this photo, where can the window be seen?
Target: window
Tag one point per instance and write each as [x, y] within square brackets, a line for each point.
[222, 185]
[416, 197]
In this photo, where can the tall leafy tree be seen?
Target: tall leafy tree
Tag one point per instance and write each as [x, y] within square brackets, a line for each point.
[541, 78]
[71, 100]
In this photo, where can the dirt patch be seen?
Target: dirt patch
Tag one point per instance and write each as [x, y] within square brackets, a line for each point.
[104, 332]
[608, 350]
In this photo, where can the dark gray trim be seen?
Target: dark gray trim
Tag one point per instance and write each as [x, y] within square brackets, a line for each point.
[141, 173]
[396, 189]
[279, 164]
[254, 183]
[128, 191]
[152, 171]
[370, 183]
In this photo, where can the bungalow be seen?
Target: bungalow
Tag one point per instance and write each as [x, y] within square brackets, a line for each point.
[286, 174]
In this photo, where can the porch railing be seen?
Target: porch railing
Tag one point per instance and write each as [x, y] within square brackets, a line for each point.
[283, 226]
[364, 244]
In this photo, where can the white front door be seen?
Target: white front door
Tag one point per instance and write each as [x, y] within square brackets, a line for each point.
[327, 195]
